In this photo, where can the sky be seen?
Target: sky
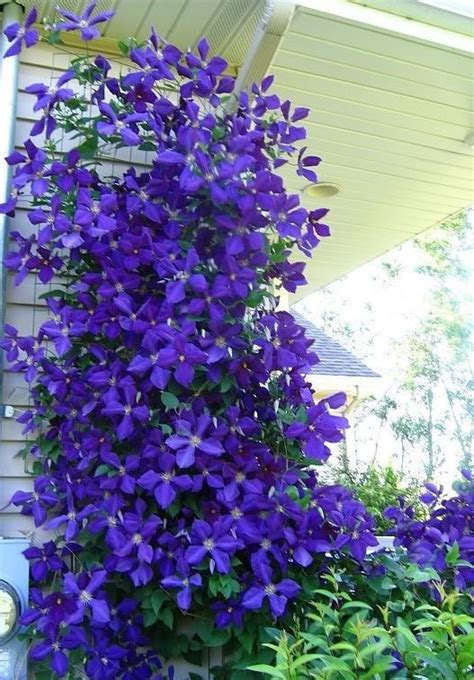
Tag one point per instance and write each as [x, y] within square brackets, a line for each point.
[397, 304]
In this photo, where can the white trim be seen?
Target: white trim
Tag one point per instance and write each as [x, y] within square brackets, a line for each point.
[390, 22]
[275, 21]
[360, 386]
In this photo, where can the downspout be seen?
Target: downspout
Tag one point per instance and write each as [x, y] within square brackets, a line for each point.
[11, 13]
[274, 22]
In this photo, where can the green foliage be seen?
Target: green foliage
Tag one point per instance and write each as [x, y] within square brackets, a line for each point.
[378, 488]
[396, 631]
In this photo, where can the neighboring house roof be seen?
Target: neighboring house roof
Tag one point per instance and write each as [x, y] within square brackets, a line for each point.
[334, 359]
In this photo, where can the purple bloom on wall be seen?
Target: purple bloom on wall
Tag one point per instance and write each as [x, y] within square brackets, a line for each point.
[125, 126]
[83, 589]
[85, 23]
[73, 519]
[17, 34]
[320, 426]
[166, 484]
[184, 580]
[129, 409]
[229, 613]
[43, 560]
[181, 357]
[214, 542]
[277, 593]
[37, 502]
[131, 543]
[191, 437]
[104, 662]
[56, 645]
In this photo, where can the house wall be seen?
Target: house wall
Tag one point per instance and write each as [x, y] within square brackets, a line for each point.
[24, 310]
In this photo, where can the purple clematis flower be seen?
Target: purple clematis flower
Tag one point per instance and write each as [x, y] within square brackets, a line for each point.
[55, 645]
[43, 560]
[229, 613]
[131, 543]
[104, 662]
[83, 589]
[123, 125]
[214, 542]
[183, 579]
[38, 502]
[190, 438]
[44, 611]
[184, 356]
[166, 484]
[130, 409]
[84, 23]
[73, 519]
[16, 34]
[277, 594]
[320, 426]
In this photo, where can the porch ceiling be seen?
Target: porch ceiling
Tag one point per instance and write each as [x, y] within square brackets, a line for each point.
[229, 25]
[391, 102]
[389, 116]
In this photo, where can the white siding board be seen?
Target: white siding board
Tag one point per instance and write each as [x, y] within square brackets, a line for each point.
[11, 430]
[8, 487]
[12, 465]
[382, 82]
[322, 104]
[377, 41]
[27, 319]
[28, 290]
[322, 49]
[448, 180]
[15, 389]
[346, 90]
[14, 525]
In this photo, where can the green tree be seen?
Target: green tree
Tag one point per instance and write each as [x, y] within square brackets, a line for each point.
[424, 418]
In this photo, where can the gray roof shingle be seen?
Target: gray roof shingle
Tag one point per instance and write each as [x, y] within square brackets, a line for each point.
[334, 359]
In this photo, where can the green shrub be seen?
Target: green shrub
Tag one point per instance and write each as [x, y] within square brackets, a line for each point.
[394, 629]
[378, 488]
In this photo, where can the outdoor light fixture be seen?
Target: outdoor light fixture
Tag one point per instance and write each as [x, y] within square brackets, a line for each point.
[321, 190]
[13, 599]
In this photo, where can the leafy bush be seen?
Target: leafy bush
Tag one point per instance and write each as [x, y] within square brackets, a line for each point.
[340, 636]
[445, 538]
[378, 488]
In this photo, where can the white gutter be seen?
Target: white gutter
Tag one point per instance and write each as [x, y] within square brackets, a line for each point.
[409, 28]
[11, 13]
[274, 23]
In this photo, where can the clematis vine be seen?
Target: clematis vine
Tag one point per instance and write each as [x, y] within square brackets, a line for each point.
[174, 433]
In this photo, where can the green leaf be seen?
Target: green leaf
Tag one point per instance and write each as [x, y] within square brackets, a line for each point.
[226, 383]
[355, 604]
[149, 618]
[452, 555]
[169, 400]
[124, 48]
[166, 617]
[267, 670]
[157, 599]
[88, 149]
[51, 294]
[102, 470]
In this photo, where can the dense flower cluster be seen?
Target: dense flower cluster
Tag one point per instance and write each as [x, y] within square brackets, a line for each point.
[445, 540]
[175, 429]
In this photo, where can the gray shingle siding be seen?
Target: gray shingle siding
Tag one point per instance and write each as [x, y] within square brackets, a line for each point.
[334, 359]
